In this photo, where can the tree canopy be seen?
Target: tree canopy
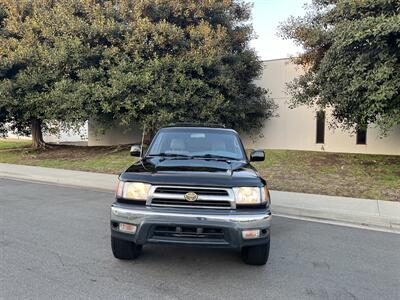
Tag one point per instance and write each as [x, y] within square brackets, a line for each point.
[151, 62]
[45, 48]
[351, 58]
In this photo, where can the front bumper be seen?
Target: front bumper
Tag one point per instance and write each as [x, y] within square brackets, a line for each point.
[230, 223]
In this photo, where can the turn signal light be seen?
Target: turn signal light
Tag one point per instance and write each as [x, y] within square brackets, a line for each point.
[119, 189]
[267, 200]
[251, 234]
[127, 228]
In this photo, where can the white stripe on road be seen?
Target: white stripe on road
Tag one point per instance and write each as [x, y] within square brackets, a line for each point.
[338, 223]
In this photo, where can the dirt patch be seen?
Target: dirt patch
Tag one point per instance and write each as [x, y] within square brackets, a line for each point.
[72, 152]
[337, 174]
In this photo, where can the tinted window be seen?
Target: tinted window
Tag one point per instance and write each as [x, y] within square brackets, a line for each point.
[197, 142]
[320, 127]
[361, 136]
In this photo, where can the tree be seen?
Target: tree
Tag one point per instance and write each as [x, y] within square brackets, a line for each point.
[151, 62]
[184, 61]
[45, 46]
[352, 60]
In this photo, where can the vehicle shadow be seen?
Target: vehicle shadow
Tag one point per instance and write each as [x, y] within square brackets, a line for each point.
[154, 253]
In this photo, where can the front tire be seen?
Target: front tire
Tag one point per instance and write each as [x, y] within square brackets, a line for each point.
[124, 249]
[256, 255]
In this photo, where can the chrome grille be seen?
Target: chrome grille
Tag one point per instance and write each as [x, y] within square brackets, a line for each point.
[174, 196]
[182, 191]
[180, 202]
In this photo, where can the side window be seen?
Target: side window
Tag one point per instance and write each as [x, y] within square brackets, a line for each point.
[320, 138]
[361, 136]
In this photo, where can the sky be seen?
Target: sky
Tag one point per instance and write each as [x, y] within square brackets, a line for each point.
[266, 17]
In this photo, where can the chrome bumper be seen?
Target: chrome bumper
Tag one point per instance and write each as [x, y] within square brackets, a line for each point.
[232, 222]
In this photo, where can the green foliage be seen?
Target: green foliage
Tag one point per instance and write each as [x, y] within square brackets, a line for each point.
[43, 47]
[151, 61]
[352, 60]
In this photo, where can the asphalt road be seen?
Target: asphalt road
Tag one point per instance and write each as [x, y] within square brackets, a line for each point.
[55, 244]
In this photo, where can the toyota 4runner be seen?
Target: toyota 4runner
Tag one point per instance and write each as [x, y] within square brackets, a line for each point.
[193, 186]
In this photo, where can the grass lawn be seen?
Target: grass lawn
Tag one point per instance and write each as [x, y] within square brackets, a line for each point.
[10, 144]
[341, 174]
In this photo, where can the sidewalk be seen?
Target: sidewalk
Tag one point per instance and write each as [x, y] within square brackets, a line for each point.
[374, 213]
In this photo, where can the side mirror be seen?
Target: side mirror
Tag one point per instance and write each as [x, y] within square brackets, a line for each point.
[257, 155]
[135, 150]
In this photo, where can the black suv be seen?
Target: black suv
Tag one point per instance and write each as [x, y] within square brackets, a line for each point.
[194, 186]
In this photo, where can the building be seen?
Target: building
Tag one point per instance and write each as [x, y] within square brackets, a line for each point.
[79, 137]
[301, 128]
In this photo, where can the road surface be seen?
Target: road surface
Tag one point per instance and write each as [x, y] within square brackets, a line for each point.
[55, 244]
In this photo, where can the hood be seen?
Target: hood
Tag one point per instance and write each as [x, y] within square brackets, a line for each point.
[193, 172]
[192, 165]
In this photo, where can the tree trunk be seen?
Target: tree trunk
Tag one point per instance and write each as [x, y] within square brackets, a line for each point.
[148, 136]
[37, 136]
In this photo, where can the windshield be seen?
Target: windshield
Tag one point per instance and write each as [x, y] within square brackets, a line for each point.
[190, 142]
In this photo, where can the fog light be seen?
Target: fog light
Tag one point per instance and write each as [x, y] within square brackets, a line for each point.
[251, 234]
[127, 228]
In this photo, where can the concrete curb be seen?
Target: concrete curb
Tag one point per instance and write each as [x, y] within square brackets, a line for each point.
[344, 217]
[98, 181]
[365, 212]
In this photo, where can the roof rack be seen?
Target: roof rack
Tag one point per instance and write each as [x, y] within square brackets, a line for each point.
[210, 125]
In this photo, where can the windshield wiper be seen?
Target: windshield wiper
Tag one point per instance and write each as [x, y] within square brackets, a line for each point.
[206, 156]
[163, 154]
[216, 157]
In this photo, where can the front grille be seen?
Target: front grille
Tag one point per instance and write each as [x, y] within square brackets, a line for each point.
[207, 197]
[198, 203]
[188, 232]
[183, 191]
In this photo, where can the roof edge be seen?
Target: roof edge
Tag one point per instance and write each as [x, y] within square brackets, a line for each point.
[283, 58]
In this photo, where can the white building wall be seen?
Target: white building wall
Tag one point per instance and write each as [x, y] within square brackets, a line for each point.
[13, 136]
[68, 136]
[115, 135]
[296, 128]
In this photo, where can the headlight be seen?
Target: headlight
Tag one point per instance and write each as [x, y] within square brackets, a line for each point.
[133, 190]
[247, 195]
